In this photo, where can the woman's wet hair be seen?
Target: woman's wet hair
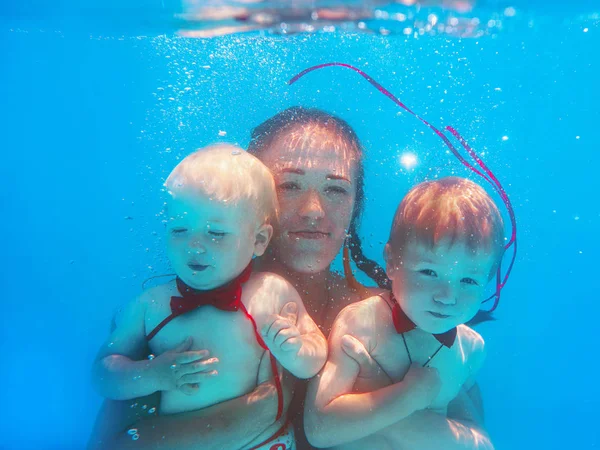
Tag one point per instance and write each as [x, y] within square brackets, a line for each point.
[288, 120]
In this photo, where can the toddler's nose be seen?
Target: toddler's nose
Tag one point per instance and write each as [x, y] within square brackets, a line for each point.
[445, 294]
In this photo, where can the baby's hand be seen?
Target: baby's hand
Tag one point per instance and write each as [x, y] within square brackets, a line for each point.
[182, 369]
[280, 333]
[423, 385]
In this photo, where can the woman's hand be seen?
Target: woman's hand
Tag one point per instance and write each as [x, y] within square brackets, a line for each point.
[181, 368]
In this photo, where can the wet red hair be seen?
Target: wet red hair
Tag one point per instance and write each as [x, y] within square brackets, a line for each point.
[449, 208]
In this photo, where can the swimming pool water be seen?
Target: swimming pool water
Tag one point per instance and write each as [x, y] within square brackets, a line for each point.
[93, 122]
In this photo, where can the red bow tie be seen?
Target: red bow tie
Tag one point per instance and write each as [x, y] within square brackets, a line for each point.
[226, 297]
[403, 324]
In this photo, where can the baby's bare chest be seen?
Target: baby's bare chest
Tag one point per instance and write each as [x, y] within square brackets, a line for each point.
[227, 335]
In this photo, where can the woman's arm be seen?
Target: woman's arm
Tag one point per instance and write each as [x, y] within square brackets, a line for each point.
[429, 430]
[231, 424]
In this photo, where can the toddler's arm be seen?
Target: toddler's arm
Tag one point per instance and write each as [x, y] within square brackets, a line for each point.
[335, 415]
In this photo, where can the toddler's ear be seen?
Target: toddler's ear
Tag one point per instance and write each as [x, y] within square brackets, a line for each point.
[390, 260]
[263, 236]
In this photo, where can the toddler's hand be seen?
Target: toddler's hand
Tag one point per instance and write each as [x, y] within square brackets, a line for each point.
[280, 332]
[182, 369]
[423, 385]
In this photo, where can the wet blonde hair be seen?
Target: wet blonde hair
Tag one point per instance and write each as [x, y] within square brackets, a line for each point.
[228, 174]
[449, 208]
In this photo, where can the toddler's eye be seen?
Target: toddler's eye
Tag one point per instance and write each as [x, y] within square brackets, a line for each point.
[428, 272]
[289, 186]
[469, 281]
[217, 234]
[176, 231]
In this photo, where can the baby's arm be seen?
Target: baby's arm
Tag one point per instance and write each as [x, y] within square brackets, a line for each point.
[292, 336]
[121, 370]
[334, 415]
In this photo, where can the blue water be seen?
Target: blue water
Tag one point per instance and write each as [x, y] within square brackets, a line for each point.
[91, 124]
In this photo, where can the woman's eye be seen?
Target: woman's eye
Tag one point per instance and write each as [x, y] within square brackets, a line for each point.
[336, 190]
[428, 272]
[218, 234]
[469, 281]
[176, 231]
[289, 186]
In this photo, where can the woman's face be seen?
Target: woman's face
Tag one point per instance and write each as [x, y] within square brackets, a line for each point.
[314, 172]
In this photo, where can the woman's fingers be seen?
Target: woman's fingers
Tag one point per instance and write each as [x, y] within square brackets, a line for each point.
[195, 378]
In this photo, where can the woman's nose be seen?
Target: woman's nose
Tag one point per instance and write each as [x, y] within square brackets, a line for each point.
[445, 294]
[312, 206]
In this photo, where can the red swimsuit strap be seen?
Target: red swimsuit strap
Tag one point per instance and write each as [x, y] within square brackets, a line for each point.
[277, 434]
[160, 326]
[260, 341]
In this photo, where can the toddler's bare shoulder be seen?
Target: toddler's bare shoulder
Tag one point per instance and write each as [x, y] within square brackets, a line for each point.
[472, 344]
[362, 317]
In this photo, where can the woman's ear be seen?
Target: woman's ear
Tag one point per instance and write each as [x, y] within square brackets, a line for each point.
[262, 239]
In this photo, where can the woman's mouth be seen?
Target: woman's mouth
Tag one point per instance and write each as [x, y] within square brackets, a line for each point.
[306, 234]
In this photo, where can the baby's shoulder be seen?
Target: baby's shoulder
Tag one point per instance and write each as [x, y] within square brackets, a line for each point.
[269, 290]
[261, 282]
[151, 296]
[157, 294]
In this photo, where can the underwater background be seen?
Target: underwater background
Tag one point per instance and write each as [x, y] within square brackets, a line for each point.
[93, 118]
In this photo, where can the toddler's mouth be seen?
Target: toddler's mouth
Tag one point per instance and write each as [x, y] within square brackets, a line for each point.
[197, 267]
[438, 315]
